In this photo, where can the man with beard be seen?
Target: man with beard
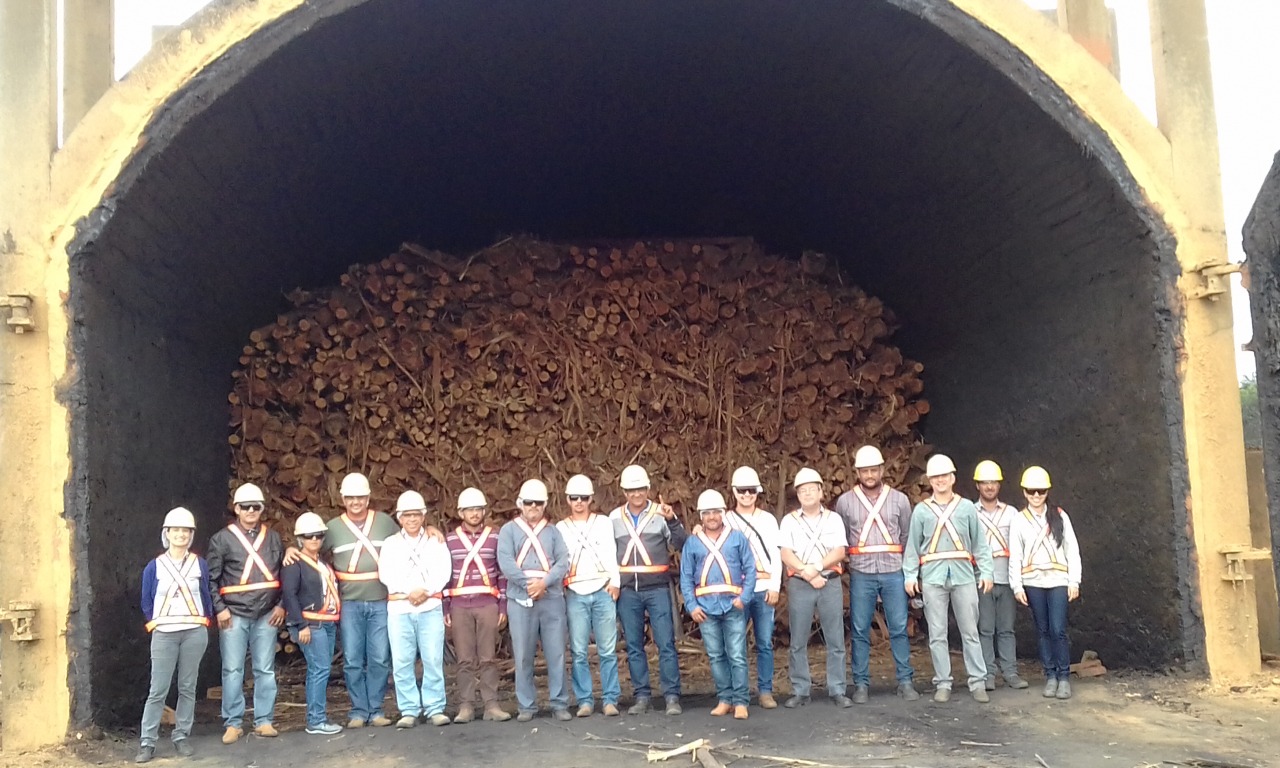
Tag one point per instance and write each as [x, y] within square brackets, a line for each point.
[996, 609]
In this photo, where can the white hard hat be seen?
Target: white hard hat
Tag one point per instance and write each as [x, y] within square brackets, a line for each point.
[180, 517]
[867, 456]
[807, 475]
[710, 499]
[249, 494]
[988, 471]
[939, 464]
[309, 522]
[633, 478]
[533, 490]
[579, 485]
[746, 477]
[355, 484]
[410, 501]
[472, 497]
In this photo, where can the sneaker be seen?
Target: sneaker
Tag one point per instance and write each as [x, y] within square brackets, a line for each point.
[1050, 688]
[585, 710]
[981, 696]
[740, 712]
[610, 710]
[466, 713]
[232, 734]
[942, 695]
[908, 691]
[796, 701]
[324, 729]
[439, 719]
[990, 684]
[723, 708]
[496, 714]
[184, 748]
[1064, 689]
[408, 721]
[1013, 681]
[640, 707]
[673, 706]
[380, 721]
[266, 731]
[561, 714]
[767, 701]
[145, 754]
[356, 722]
[861, 694]
[525, 716]
[842, 701]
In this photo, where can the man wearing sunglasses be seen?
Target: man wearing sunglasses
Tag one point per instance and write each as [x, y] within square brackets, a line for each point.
[533, 557]
[761, 531]
[244, 572]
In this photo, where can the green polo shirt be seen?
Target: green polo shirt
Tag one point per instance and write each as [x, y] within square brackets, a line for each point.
[342, 543]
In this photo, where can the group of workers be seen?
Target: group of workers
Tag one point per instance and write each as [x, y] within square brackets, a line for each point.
[391, 589]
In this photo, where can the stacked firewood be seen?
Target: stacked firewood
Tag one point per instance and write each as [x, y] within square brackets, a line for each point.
[532, 359]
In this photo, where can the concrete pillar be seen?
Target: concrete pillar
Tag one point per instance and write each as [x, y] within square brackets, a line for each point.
[88, 57]
[35, 552]
[1089, 22]
[1214, 433]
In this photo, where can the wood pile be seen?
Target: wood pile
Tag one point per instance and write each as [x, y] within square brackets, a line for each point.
[432, 372]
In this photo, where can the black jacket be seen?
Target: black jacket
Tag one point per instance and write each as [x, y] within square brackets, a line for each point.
[302, 590]
[227, 559]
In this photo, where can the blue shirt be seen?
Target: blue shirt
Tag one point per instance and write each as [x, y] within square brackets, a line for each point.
[742, 572]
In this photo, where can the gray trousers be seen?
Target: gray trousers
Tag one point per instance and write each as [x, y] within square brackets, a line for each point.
[181, 650]
[545, 621]
[802, 601]
[996, 611]
[963, 599]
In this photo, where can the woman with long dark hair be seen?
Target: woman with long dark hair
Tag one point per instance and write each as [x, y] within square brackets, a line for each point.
[1044, 573]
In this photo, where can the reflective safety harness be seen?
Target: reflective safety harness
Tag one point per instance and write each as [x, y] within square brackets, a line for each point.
[332, 603]
[362, 544]
[1042, 542]
[715, 557]
[472, 559]
[415, 562]
[582, 538]
[999, 545]
[179, 575]
[254, 560]
[944, 515]
[531, 543]
[635, 545]
[813, 550]
[739, 522]
[873, 521]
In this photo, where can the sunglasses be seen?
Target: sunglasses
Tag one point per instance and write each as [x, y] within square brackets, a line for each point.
[579, 498]
[250, 507]
[311, 536]
[1036, 491]
[747, 491]
[528, 503]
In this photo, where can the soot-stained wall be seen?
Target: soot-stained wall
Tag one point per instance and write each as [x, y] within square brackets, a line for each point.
[1028, 283]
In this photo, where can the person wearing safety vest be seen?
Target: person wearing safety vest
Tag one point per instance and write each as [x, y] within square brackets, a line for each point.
[591, 601]
[876, 519]
[761, 531]
[244, 569]
[178, 606]
[944, 545]
[1044, 573]
[312, 609]
[813, 548]
[718, 579]
[475, 607]
[996, 608]
[533, 557]
[646, 533]
[415, 569]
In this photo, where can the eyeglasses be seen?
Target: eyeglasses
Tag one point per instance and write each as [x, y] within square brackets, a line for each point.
[250, 507]
[531, 503]
[747, 491]
[579, 498]
[311, 536]
[1035, 491]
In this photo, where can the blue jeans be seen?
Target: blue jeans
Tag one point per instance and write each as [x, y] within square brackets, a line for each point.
[416, 635]
[319, 656]
[367, 656]
[761, 616]
[632, 607]
[864, 588]
[596, 613]
[1049, 608]
[725, 638]
[257, 637]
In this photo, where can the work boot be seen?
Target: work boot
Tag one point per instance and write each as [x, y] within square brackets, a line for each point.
[585, 710]
[561, 714]
[232, 734]
[990, 684]
[908, 691]
[767, 701]
[184, 748]
[1050, 688]
[1013, 681]
[266, 731]
[673, 706]
[439, 719]
[466, 713]
[525, 716]
[722, 709]
[860, 694]
[842, 701]
[380, 721]
[145, 754]
[1064, 689]
[408, 721]
[942, 695]
[796, 701]
[611, 710]
[356, 722]
[640, 707]
[740, 712]
[496, 714]
[981, 696]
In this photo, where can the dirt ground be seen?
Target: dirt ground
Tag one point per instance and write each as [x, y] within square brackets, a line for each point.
[1122, 720]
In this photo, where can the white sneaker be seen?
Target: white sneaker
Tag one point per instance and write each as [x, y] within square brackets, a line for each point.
[324, 729]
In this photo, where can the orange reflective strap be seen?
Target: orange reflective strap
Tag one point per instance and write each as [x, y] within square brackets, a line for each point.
[363, 544]
[531, 543]
[716, 557]
[252, 552]
[944, 515]
[328, 580]
[992, 527]
[583, 541]
[873, 521]
[814, 546]
[473, 560]
[1042, 542]
[179, 575]
[636, 544]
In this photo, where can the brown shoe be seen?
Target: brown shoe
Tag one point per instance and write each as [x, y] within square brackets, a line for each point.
[610, 710]
[767, 701]
[232, 734]
[466, 713]
[266, 731]
[381, 721]
[740, 712]
[356, 722]
[723, 708]
[584, 710]
[496, 714]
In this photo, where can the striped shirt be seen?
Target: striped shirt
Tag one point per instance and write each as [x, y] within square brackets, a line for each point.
[895, 513]
[488, 561]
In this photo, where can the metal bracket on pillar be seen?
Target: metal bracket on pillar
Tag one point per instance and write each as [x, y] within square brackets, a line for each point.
[1238, 559]
[22, 614]
[19, 307]
[1213, 280]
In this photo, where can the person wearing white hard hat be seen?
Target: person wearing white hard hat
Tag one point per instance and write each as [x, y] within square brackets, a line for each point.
[943, 547]
[178, 606]
[1044, 573]
[475, 606]
[718, 579]
[244, 569]
[415, 570]
[312, 610]
[591, 601]
[813, 549]
[876, 519]
[534, 559]
[996, 609]
[646, 534]
[760, 528]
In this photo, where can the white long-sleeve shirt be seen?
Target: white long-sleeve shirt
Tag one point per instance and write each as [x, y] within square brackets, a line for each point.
[765, 541]
[593, 553]
[1035, 560]
[408, 564]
